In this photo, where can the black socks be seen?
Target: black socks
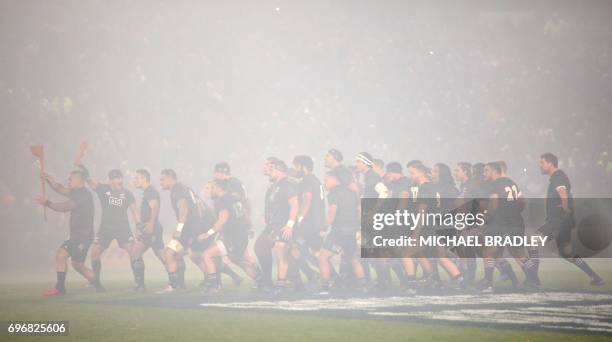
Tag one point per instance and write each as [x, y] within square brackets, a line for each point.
[138, 268]
[61, 282]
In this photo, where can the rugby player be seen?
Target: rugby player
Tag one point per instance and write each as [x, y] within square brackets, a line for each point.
[478, 180]
[341, 235]
[560, 216]
[446, 194]
[378, 166]
[397, 183]
[231, 233]
[197, 247]
[333, 161]
[462, 173]
[399, 189]
[115, 201]
[81, 233]
[235, 187]
[188, 227]
[504, 218]
[150, 232]
[281, 211]
[423, 194]
[311, 216]
[373, 185]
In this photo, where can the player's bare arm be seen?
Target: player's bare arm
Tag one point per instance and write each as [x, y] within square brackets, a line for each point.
[135, 212]
[135, 216]
[493, 204]
[562, 191]
[150, 224]
[91, 181]
[183, 211]
[305, 207]
[217, 226]
[331, 216]
[56, 186]
[57, 206]
[287, 230]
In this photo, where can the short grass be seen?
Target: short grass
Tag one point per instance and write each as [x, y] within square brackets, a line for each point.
[102, 317]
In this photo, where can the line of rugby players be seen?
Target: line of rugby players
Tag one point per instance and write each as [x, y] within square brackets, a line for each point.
[308, 222]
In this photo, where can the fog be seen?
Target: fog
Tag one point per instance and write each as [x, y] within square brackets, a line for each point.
[186, 84]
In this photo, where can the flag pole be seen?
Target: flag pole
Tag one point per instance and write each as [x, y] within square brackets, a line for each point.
[38, 151]
[43, 185]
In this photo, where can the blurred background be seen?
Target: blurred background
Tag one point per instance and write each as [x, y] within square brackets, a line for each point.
[186, 84]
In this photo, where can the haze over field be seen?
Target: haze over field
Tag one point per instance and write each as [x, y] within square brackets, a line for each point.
[185, 85]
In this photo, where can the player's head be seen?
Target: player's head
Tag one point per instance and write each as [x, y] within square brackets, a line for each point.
[278, 169]
[413, 162]
[364, 162]
[379, 166]
[332, 158]
[492, 171]
[168, 179]
[222, 171]
[303, 165]
[142, 179]
[267, 167]
[76, 179]
[548, 163]
[418, 174]
[478, 172]
[441, 174]
[115, 179]
[462, 172]
[330, 180]
[394, 171]
[503, 167]
[218, 188]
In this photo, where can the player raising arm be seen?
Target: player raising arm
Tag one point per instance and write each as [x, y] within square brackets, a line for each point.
[81, 209]
[115, 201]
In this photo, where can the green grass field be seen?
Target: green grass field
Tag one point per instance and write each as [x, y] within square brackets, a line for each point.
[107, 316]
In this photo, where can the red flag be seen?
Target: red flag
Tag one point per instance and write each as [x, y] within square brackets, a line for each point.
[38, 151]
[81, 153]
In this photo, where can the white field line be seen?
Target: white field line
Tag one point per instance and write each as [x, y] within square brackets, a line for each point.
[417, 301]
[537, 311]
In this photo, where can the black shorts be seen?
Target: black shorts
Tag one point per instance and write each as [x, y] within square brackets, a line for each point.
[77, 249]
[197, 246]
[558, 228]
[105, 236]
[340, 242]
[154, 240]
[235, 246]
[190, 234]
[308, 235]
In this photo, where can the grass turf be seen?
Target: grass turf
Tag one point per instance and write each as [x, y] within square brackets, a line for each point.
[96, 317]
